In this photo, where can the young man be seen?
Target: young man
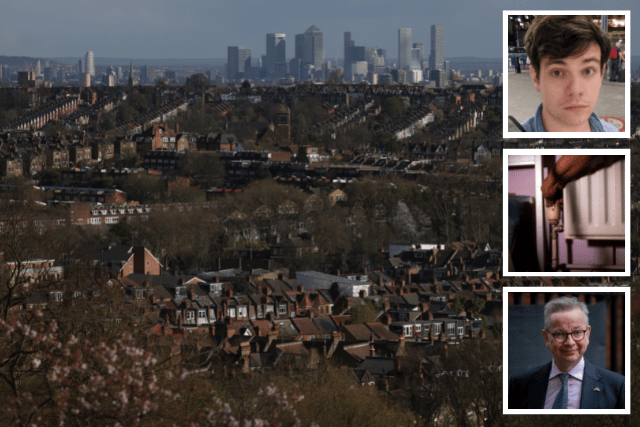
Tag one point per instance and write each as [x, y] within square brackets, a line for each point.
[568, 55]
[568, 381]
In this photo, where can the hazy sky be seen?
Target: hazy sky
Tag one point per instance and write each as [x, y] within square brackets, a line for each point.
[204, 28]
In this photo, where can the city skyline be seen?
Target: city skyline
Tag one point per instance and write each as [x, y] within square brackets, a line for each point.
[148, 30]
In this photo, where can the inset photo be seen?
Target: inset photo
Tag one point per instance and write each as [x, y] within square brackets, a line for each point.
[566, 212]
[567, 350]
[566, 74]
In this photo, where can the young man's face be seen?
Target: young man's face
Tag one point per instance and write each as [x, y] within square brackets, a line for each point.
[569, 88]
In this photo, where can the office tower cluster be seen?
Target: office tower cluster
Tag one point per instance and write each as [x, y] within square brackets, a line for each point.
[360, 63]
[411, 58]
[307, 64]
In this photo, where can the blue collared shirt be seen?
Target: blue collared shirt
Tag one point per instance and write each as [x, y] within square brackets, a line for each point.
[534, 123]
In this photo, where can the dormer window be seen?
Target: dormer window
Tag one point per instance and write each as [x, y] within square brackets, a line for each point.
[55, 296]
[181, 291]
[140, 293]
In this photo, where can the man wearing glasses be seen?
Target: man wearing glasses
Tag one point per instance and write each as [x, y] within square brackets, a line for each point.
[568, 381]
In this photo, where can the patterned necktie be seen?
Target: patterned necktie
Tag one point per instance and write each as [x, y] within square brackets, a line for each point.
[563, 395]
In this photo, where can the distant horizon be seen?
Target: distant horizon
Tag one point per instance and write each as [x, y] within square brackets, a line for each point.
[166, 29]
[106, 61]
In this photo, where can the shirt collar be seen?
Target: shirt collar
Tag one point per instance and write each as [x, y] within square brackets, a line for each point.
[535, 123]
[577, 371]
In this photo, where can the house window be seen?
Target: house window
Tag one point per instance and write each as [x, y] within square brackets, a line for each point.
[56, 296]
[202, 315]
[406, 330]
[451, 328]
[147, 263]
[242, 311]
[231, 312]
[191, 316]
[436, 328]
[259, 312]
[268, 309]
[460, 330]
[418, 328]
[282, 309]
[94, 221]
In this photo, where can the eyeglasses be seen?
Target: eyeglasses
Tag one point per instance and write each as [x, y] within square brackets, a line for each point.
[562, 336]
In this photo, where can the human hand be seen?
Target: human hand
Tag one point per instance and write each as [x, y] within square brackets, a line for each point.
[551, 189]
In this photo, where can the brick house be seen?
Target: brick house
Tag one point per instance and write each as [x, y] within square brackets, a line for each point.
[118, 260]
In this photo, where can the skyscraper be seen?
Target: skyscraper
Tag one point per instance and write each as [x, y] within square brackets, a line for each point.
[404, 48]
[299, 47]
[436, 58]
[89, 64]
[276, 52]
[238, 62]
[81, 67]
[420, 47]
[347, 54]
[313, 47]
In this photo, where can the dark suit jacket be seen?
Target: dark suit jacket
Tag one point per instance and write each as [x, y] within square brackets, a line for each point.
[528, 389]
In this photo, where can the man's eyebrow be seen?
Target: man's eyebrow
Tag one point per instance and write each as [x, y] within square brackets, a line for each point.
[560, 61]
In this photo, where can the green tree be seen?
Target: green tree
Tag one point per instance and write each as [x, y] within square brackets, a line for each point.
[203, 167]
[122, 231]
[393, 108]
[364, 312]
[51, 177]
[131, 161]
[299, 125]
[387, 142]
[142, 187]
[198, 81]
[336, 77]
[302, 154]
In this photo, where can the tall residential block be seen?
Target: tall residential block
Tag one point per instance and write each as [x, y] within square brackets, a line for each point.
[89, 64]
[404, 48]
[238, 62]
[436, 58]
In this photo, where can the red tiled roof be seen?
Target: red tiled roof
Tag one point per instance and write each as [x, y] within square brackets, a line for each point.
[359, 332]
[305, 326]
[359, 351]
[381, 332]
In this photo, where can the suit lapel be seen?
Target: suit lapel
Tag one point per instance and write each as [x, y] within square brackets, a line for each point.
[539, 387]
[591, 388]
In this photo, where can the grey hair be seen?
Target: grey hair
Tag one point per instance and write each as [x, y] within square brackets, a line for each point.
[564, 304]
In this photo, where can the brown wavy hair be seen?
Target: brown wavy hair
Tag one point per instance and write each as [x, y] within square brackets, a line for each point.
[561, 36]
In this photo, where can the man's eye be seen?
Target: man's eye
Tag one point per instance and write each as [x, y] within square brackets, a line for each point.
[557, 73]
[589, 71]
